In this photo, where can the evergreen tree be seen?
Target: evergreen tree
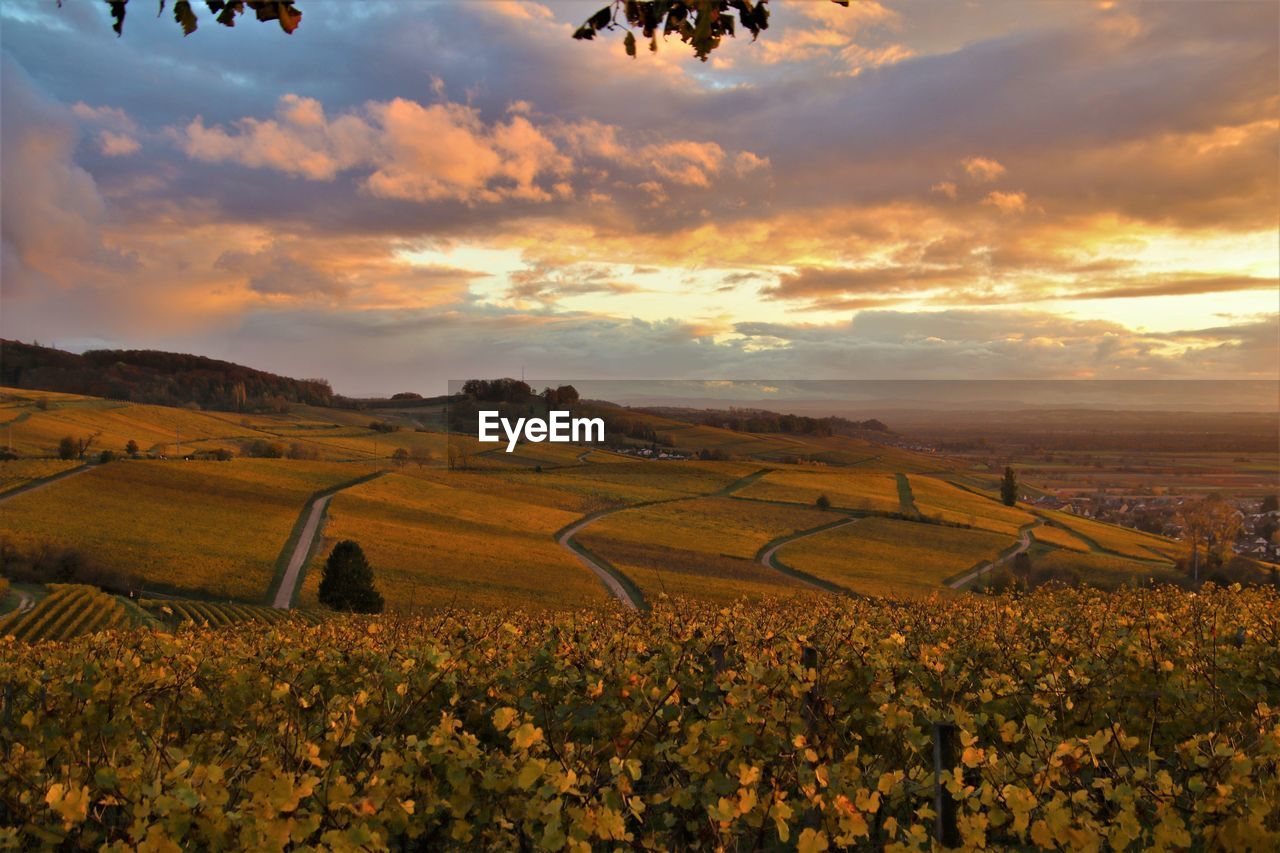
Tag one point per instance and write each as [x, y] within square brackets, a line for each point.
[1009, 487]
[347, 583]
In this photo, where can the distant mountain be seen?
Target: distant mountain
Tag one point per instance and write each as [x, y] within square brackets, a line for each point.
[151, 376]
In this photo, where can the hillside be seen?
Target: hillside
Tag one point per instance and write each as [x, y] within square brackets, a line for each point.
[548, 526]
[151, 376]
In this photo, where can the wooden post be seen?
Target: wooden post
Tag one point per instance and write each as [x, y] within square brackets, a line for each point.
[716, 652]
[945, 831]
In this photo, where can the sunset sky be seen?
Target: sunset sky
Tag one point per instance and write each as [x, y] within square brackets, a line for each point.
[406, 192]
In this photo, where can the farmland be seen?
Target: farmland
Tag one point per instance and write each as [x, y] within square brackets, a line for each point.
[881, 556]
[846, 489]
[1119, 540]
[15, 473]
[703, 547]
[938, 499]
[464, 539]
[698, 727]
[1101, 570]
[69, 610]
[213, 527]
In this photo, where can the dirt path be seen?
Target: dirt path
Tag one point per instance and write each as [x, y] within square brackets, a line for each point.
[288, 584]
[314, 513]
[1024, 542]
[45, 481]
[607, 577]
[767, 557]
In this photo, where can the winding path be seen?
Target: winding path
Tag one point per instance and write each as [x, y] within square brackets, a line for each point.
[607, 577]
[614, 581]
[767, 557]
[1024, 542]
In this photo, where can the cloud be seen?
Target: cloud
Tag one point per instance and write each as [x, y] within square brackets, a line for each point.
[408, 150]
[982, 168]
[1007, 202]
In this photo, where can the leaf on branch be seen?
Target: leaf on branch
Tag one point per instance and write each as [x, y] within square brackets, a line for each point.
[185, 17]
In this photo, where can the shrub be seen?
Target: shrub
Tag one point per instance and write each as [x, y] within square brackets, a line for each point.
[823, 502]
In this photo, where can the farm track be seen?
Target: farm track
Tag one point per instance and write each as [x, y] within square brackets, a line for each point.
[767, 557]
[1024, 542]
[44, 481]
[314, 514]
[619, 585]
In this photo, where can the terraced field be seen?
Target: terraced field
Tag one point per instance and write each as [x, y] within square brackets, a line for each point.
[881, 556]
[936, 498]
[846, 489]
[703, 547]
[68, 611]
[15, 473]
[461, 538]
[217, 527]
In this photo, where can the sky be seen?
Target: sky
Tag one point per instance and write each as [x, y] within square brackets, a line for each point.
[402, 193]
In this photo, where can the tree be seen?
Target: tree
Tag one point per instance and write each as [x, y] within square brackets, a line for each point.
[131, 448]
[400, 456]
[1270, 503]
[347, 583]
[823, 502]
[1009, 487]
[67, 448]
[107, 456]
[1212, 522]
[225, 11]
[701, 24]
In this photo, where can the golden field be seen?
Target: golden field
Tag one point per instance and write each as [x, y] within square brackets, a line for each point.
[846, 489]
[936, 498]
[881, 556]
[458, 538]
[1102, 570]
[211, 526]
[702, 547]
[1059, 538]
[15, 473]
[1124, 541]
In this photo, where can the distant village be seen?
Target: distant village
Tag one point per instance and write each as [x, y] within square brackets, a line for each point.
[1259, 519]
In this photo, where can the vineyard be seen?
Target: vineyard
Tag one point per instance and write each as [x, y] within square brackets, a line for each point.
[1140, 719]
[218, 614]
[69, 610]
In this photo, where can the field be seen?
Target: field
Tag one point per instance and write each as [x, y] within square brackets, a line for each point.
[1101, 570]
[457, 538]
[938, 499]
[846, 489]
[15, 473]
[1059, 538]
[214, 614]
[216, 527]
[1121, 540]
[692, 727]
[69, 610]
[881, 556]
[703, 547]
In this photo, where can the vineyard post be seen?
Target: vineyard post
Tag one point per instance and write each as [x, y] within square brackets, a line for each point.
[8, 714]
[945, 830]
[716, 651]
